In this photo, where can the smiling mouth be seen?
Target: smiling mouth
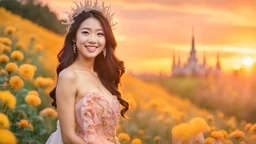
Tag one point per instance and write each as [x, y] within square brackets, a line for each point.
[91, 48]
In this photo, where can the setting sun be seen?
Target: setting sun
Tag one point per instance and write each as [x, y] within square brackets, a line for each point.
[248, 61]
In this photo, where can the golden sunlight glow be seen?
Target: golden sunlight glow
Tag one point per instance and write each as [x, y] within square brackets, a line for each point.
[248, 61]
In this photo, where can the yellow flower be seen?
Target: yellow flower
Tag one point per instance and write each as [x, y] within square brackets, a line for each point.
[7, 49]
[136, 141]
[237, 134]
[141, 132]
[124, 137]
[10, 30]
[20, 45]
[11, 67]
[7, 98]
[43, 82]
[217, 135]
[227, 141]
[157, 138]
[5, 41]
[182, 132]
[17, 55]
[220, 114]
[7, 137]
[16, 82]
[252, 138]
[1, 48]
[247, 126]
[252, 129]
[30, 126]
[26, 71]
[39, 47]
[2, 72]
[4, 121]
[49, 112]
[25, 124]
[33, 100]
[4, 58]
[209, 140]
[225, 134]
[198, 125]
[33, 92]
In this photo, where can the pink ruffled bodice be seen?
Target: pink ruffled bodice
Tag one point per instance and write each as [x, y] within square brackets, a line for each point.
[97, 118]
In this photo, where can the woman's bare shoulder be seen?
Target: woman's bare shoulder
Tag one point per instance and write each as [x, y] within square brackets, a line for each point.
[67, 74]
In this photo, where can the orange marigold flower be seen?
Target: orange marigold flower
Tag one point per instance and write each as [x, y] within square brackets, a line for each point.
[26, 71]
[20, 45]
[124, 137]
[33, 92]
[39, 47]
[4, 121]
[237, 134]
[209, 140]
[252, 129]
[16, 82]
[7, 137]
[5, 41]
[23, 123]
[10, 30]
[157, 138]
[4, 58]
[8, 98]
[17, 55]
[33, 100]
[49, 112]
[11, 67]
[136, 141]
[199, 125]
[2, 72]
[217, 135]
[247, 126]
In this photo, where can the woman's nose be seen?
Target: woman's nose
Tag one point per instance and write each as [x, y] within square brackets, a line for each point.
[92, 39]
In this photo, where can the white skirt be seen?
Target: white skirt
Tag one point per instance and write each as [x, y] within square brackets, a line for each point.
[55, 137]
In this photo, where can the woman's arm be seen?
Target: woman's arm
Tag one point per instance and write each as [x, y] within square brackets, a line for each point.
[65, 96]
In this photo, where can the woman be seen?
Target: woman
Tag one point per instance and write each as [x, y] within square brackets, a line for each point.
[86, 95]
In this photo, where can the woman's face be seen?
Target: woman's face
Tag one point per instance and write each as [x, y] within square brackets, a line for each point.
[90, 38]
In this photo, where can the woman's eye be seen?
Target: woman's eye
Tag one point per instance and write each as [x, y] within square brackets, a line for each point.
[85, 32]
[102, 34]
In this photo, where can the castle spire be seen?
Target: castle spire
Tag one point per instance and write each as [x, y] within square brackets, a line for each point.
[173, 59]
[218, 62]
[179, 59]
[192, 57]
[193, 40]
[204, 60]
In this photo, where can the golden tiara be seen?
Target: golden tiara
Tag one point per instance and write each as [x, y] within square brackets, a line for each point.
[87, 6]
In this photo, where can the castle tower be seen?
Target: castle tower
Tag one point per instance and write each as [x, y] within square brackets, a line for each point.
[218, 67]
[179, 60]
[192, 58]
[204, 60]
[173, 59]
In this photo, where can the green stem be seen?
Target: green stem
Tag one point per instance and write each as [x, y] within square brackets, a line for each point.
[6, 110]
[22, 136]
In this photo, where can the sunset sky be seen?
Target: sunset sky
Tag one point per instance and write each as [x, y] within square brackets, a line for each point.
[148, 31]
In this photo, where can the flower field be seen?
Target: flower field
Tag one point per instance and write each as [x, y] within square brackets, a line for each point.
[155, 116]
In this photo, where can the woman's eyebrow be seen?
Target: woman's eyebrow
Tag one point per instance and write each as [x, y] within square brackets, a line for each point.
[90, 29]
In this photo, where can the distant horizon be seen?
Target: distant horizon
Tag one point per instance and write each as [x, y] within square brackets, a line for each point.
[149, 31]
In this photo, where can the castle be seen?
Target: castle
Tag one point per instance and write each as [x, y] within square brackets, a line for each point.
[192, 67]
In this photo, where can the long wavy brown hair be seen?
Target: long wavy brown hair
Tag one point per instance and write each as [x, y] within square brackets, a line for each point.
[109, 69]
